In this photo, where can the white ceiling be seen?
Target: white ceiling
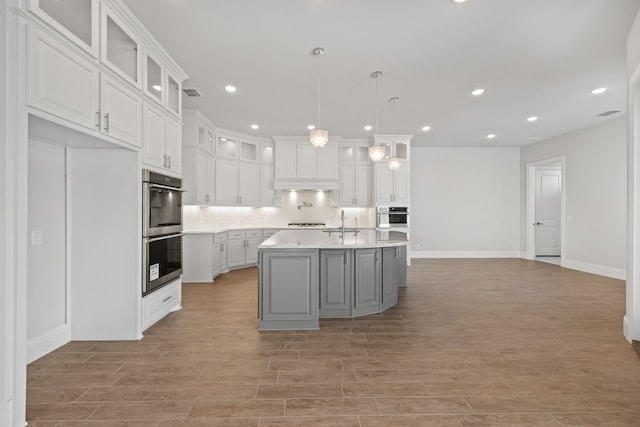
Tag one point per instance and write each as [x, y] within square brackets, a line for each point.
[532, 57]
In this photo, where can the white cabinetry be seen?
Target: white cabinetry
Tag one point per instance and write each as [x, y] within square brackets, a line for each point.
[243, 248]
[236, 183]
[392, 187]
[62, 83]
[119, 47]
[355, 176]
[161, 302]
[298, 165]
[162, 144]
[219, 254]
[198, 177]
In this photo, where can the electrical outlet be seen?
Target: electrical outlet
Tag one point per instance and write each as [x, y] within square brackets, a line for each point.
[36, 238]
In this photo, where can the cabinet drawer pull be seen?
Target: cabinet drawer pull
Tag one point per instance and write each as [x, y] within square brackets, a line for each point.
[167, 298]
[98, 122]
[106, 122]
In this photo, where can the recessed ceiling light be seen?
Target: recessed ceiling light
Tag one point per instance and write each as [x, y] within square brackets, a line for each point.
[491, 136]
[426, 128]
[532, 119]
[477, 92]
[368, 127]
[157, 87]
[311, 127]
[223, 139]
[230, 88]
[255, 127]
[599, 90]
[458, 1]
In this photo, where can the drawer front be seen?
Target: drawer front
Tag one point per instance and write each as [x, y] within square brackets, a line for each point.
[269, 233]
[158, 304]
[219, 238]
[235, 235]
[254, 233]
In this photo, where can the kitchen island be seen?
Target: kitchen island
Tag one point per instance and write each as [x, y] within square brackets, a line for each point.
[306, 275]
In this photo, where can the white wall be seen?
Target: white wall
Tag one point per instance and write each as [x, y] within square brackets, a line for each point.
[465, 202]
[105, 244]
[46, 284]
[595, 192]
[203, 218]
[631, 321]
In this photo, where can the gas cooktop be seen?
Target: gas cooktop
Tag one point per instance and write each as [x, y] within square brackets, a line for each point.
[307, 224]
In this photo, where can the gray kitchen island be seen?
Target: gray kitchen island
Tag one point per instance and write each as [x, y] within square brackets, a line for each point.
[306, 275]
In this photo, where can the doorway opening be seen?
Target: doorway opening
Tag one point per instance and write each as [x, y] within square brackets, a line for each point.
[545, 206]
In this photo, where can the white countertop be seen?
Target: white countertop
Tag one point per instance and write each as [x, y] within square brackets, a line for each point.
[322, 239]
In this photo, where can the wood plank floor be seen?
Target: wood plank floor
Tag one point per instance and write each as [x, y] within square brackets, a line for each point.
[470, 343]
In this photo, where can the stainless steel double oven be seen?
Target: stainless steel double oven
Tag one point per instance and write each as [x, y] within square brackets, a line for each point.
[162, 230]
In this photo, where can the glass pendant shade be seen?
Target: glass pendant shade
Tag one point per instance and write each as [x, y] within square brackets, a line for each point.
[394, 163]
[376, 153]
[319, 137]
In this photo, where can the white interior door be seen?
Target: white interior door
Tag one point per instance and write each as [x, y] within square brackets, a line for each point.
[547, 211]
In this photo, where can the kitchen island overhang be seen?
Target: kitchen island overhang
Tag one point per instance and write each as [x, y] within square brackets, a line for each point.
[306, 275]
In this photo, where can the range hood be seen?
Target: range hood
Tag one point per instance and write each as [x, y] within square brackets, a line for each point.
[300, 166]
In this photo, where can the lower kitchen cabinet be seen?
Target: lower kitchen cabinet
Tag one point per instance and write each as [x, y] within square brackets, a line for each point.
[219, 254]
[243, 248]
[389, 294]
[335, 283]
[288, 290]
[158, 304]
[197, 252]
[366, 286]
[402, 266]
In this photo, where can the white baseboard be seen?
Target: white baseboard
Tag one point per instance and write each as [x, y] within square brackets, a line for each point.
[465, 254]
[47, 342]
[601, 270]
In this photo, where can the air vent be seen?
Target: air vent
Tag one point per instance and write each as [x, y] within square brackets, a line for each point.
[608, 113]
[192, 92]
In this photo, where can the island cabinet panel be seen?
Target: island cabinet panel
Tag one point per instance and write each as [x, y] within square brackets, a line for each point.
[390, 258]
[335, 283]
[402, 266]
[289, 289]
[366, 290]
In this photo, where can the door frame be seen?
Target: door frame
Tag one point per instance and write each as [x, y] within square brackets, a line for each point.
[530, 206]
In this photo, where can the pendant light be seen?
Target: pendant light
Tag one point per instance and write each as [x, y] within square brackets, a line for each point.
[376, 152]
[394, 162]
[318, 136]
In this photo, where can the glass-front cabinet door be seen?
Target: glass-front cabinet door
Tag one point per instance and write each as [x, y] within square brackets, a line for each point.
[173, 96]
[362, 154]
[76, 19]
[249, 151]
[267, 152]
[227, 147]
[153, 76]
[120, 48]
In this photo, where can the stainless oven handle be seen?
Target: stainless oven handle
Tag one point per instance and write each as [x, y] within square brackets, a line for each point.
[165, 187]
[155, 239]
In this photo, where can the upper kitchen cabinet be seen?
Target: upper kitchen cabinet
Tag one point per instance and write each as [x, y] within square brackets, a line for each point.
[392, 186]
[197, 131]
[354, 153]
[355, 175]
[397, 146]
[298, 165]
[91, 64]
[249, 150]
[267, 152]
[162, 144]
[65, 85]
[77, 20]
[120, 48]
[227, 147]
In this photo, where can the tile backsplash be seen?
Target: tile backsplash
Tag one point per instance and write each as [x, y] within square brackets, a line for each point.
[295, 208]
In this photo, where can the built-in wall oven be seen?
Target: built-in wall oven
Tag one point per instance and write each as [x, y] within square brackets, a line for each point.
[392, 217]
[162, 230]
